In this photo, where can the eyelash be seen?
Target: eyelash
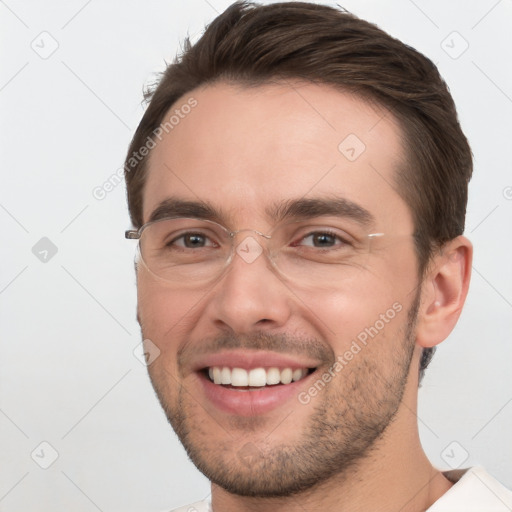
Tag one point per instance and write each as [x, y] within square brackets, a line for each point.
[327, 232]
[330, 233]
[188, 234]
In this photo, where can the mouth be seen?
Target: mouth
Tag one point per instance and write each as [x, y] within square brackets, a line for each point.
[249, 383]
[253, 379]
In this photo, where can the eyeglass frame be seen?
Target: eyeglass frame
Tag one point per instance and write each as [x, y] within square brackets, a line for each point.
[136, 234]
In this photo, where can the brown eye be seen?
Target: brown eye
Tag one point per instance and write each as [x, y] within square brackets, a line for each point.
[192, 241]
[322, 240]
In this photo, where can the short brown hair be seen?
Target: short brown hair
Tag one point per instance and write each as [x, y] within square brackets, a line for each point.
[251, 44]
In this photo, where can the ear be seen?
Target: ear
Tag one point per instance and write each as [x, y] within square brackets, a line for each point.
[444, 290]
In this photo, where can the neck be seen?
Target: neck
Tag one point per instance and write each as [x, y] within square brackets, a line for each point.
[395, 476]
[356, 493]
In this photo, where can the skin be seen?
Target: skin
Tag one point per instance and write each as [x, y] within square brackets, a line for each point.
[241, 150]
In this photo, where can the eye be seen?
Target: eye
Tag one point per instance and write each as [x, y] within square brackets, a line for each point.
[324, 239]
[192, 240]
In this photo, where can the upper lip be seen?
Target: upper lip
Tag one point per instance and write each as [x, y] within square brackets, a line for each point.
[248, 359]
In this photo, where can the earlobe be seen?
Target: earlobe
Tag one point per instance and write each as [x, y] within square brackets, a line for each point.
[444, 292]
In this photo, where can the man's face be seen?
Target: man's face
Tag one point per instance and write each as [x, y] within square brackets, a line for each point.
[345, 332]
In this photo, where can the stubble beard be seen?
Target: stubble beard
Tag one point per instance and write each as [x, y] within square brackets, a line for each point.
[342, 430]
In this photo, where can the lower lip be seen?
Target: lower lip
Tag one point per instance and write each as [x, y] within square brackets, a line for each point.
[247, 402]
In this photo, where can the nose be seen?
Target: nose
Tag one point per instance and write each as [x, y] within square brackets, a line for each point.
[251, 295]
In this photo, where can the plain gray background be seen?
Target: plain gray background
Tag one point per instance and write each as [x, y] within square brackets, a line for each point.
[70, 93]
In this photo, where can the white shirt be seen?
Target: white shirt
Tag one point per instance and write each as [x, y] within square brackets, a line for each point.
[474, 490]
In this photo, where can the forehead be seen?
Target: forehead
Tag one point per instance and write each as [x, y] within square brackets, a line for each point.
[241, 149]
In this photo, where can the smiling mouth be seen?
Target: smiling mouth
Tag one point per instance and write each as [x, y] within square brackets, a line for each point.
[255, 378]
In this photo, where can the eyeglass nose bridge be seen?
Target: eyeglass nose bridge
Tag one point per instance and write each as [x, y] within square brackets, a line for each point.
[232, 234]
[249, 249]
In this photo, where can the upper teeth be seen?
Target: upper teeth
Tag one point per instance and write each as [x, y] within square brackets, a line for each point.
[256, 377]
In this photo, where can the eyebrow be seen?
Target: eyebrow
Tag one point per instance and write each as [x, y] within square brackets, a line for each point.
[291, 209]
[175, 207]
[294, 209]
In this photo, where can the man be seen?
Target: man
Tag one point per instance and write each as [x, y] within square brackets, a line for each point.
[298, 186]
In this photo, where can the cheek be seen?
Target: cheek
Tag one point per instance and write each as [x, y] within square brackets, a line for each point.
[166, 315]
[373, 307]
